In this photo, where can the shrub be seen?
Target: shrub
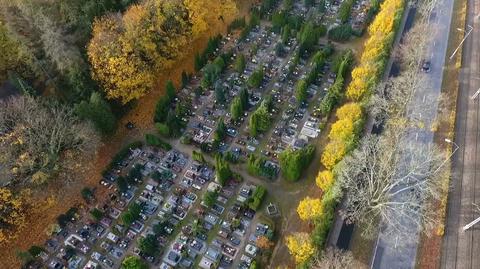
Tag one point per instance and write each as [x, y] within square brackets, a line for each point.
[340, 33]
[210, 197]
[96, 214]
[35, 250]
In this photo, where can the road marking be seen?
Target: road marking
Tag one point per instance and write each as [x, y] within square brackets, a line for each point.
[475, 94]
[424, 99]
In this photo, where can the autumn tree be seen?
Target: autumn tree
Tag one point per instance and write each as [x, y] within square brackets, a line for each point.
[333, 153]
[264, 243]
[203, 13]
[123, 74]
[325, 180]
[310, 208]
[352, 111]
[342, 130]
[300, 247]
[365, 76]
[127, 51]
[40, 138]
[12, 214]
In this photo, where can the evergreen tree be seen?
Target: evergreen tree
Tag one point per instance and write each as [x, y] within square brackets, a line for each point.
[244, 96]
[220, 94]
[198, 62]
[236, 108]
[185, 79]
[99, 112]
[221, 130]
[161, 109]
[170, 90]
[286, 33]
[240, 63]
[222, 170]
[301, 91]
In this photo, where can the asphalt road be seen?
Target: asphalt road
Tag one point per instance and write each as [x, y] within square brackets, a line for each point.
[461, 249]
[392, 251]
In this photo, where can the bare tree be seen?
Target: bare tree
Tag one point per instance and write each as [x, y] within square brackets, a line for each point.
[334, 258]
[393, 97]
[53, 38]
[39, 137]
[391, 179]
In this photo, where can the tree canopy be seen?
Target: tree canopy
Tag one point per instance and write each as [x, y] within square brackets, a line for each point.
[133, 262]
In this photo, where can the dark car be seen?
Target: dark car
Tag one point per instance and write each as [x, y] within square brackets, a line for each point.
[426, 66]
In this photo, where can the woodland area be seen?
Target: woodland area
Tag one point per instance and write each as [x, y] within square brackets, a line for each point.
[77, 67]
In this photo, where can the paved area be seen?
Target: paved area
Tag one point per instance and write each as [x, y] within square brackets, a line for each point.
[391, 250]
[461, 249]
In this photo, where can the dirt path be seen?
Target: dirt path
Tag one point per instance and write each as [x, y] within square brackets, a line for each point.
[57, 198]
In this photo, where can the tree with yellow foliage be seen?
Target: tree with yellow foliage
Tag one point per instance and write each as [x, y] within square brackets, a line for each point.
[127, 51]
[300, 246]
[203, 13]
[386, 18]
[310, 208]
[352, 111]
[12, 214]
[381, 37]
[324, 180]
[342, 129]
[333, 153]
[361, 77]
[122, 73]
